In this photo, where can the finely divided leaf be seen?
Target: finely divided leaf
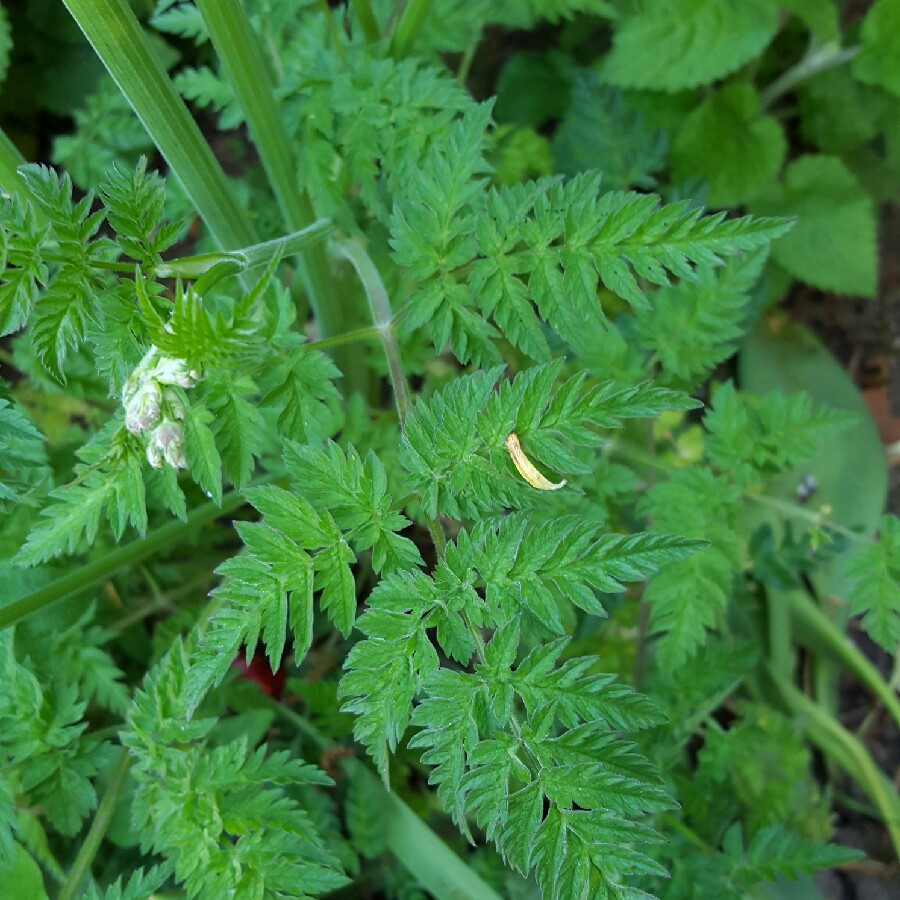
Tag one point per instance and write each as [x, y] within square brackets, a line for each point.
[454, 446]
[876, 595]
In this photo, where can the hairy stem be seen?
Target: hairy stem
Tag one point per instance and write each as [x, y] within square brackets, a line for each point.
[99, 570]
[81, 867]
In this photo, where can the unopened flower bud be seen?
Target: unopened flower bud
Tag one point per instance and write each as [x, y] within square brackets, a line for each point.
[143, 409]
[169, 438]
[154, 456]
[174, 371]
[175, 406]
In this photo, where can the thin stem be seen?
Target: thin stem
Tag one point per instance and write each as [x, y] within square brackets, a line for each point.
[817, 59]
[117, 38]
[191, 267]
[438, 538]
[380, 308]
[814, 630]
[247, 69]
[127, 268]
[349, 337]
[336, 41]
[413, 18]
[362, 9]
[91, 845]
[840, 745]
[160, 603]
[809, 515]
[304, 726]
[100, 569]
[382, 316]
[686, 831]
[465, 63]
[780, 647]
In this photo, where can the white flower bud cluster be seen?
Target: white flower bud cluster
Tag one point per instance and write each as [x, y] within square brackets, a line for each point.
[154, 409]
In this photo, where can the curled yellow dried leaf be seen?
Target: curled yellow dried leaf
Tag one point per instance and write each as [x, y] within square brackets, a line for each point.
[526, 468]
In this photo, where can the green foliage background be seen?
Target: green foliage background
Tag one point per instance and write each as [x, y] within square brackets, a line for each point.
[612, 689]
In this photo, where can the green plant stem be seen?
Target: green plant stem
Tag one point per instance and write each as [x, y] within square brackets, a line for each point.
[100, 569]
[815, 631]
[780, 647]
[349, 337]
[160, 603]
[82, 864]
[303, 726]
[686, 831]
[465, 63]
[380, 308]
[844, 748]
[808, 515]
[817, 59]
[355, 253]
[362, 9]
[408, 26]
[254, 256]
[336, 41]
[437, 868]
[116, 36]
[247, 70]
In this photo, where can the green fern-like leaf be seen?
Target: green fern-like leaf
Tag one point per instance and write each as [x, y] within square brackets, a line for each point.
[24, 272]
[110, 482]
[553, 792]
[140, 886]
[749, 439]
[693, 326]
[520, 567]
[134, 202]
[775, 852]
[687, 597]
[540, 251]
[73, 296]
[455, 443]
[248, 828]
[23, 458]
[876, 596]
